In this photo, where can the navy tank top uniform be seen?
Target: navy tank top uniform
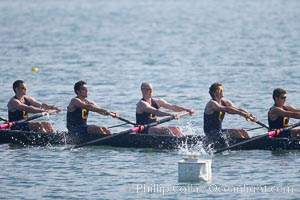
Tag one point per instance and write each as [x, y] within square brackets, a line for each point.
[213, 124]
[77, 120]
[278, 123]
[146, 118]
[19, 115]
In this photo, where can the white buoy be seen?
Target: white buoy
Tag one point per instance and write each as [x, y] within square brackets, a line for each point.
[194, 170]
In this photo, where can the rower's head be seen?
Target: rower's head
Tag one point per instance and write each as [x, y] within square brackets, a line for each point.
[80, 88]
[19, 87]
[216, 90]
[146, 88]
[279, 95]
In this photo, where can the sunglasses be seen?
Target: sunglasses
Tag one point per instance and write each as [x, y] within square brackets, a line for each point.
[282, 97]
[147, 89]
[220, 89]
[23, 87]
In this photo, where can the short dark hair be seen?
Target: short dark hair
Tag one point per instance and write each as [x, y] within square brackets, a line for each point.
[213, 88]
[17, 83]
[278, 92]
[78, 85]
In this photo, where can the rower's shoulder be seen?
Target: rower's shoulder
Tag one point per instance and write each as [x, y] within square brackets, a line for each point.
[227, 102]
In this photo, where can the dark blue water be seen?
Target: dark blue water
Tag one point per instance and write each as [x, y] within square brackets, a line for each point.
[181, 47]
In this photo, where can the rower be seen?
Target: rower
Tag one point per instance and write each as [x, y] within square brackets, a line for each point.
[78, 111]
[147, 110]
[21, 104]
[214, 114]
[279, 114]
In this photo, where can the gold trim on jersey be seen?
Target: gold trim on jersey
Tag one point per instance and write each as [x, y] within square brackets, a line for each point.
[285, 121]
[153, 117]
[83, 113]
[220, 116]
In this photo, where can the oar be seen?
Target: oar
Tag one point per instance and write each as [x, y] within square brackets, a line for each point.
[132, 130]
[122, 119]
[35, 116]
[251, 129]
[3, 119]
[259, 123]
[269, 134]
[277, 131]
[262, 124]
[117, 125]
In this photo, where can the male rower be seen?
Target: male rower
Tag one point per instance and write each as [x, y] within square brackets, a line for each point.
[78, 111]
[147, 110]
[21, 104]
[214, 114]
[279, 114]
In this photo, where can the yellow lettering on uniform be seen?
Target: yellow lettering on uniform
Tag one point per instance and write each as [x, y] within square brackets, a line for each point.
[285, 121]
[84, 113]
[220, 116]
[24, 115]
[152, 117]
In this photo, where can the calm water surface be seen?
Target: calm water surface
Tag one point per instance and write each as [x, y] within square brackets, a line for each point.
[182, 47]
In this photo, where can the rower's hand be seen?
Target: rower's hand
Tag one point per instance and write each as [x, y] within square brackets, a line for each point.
[250, 116]
[54, 110]
[176, 116]
[253, 118]
[57, 109]
[191, 111]
[114, 114]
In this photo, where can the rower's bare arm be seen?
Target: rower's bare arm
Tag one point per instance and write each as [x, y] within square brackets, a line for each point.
[234, 110]
[30, 109]
[163, 103]
[92, 106]
[47, 106]
[284, 113]
[34, 102]
[145, 107]
[292, 108]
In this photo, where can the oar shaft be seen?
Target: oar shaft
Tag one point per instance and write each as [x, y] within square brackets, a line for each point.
[38, 115]
[262, 124]
[240, 143]
[269, 134]
[117, 125]
[3, 119]
[165, 120]
[251, 129]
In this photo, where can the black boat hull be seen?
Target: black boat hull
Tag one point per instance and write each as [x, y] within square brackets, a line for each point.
[133, 140]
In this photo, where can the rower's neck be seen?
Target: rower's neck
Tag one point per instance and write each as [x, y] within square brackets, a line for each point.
[19, 96]
[147, 99]
[217, 100]
[81, 98]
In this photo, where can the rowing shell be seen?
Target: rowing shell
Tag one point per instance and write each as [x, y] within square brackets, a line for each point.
[26, 138]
